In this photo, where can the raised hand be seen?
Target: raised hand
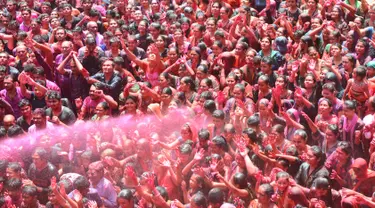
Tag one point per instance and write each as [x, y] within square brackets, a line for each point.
[77, 196]
[312, 65]
[53, 183]
[165, 162]
[92, 204]
[213, 164]
[199, 155]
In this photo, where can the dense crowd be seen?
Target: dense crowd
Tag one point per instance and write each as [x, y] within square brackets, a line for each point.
[187, 103]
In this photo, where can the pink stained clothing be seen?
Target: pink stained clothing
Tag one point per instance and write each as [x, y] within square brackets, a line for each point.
[89, 106]
[52, 86]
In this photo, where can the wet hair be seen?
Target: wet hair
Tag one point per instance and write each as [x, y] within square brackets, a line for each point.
[218, 114]
[240, 179]
[81, 183]
[210, 106]
[208, 82]
[190, 82]
[126, 194]
[321, 183]
[163, 192]
[186, 149]
[302, 133]
[361, 71]
[330, 87]
[349, 104]
[204, 134]
[267, 60]
[220, 142]
[216, 196]
[352, 59]
[199, 199]
[51, 95]
[167, 90]
[282, 174]
[207, 95]
[268, 189]
[253, 120]
[30, 190]
[251, 134]
[15, 166]
[334, 128]
[278, 128]
[13, 184]
[345, 147]
[41, 152]
[3, 166]
[15, 131]
[104, 105]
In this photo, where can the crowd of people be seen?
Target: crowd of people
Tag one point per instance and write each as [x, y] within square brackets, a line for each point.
[187, 103]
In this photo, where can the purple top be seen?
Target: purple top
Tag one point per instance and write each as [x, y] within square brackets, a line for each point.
[13, 101]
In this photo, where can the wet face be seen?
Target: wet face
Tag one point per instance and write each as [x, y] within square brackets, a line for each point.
[282, 183]
[360, 48]
[265, 44]
[8, 84]
[298, 142]
[124, 203]
[328, 94]
[130, 105]
[324, 107]
[60, 35]
[108, 67]
[26, 16]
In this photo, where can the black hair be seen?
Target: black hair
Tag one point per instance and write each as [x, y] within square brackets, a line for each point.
[251, 134]
[51, 95]
[220, 142]
[210, 106]
[350, 104]
[240, 179]
[204, 134]
[30, 190]
[219, 114]
[199, 199]
[253, 120]
[15, 130]
[81, 183]
[186, 149]
[126, 194]
[345, 147]
[13, 184]
[302, 133]
[216, 196]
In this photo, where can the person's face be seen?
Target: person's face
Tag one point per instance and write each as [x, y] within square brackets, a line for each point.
[113, 24]
[94, 175]
[335, 51]
[360, 48]
[92, 93]
[92, 27]
[39, 121]
[282, 183]
[280, 82]
[193, 183]
[223, 13]
[55, 23]
[26, 111]
[165, 98]
[315, 23]
[142, 27]
[298, 142]
[341, 155]
[263, 110]
[262, 85]
[313, 54]
[130, 105]
[172, 55]
[237, 93]
[335, 13]
[203, 86]
[239, 50]
[11, 7]
[324, 107]
[54, 104]
[39, 162]
[262, 196]
[327, 94]
[132, 44]
[86, 5]
[66, 48]
[22, 52]
[311, 4]
[358, 22]
[184, 86]
[349, 113]
[231, 82]
[3, 59]
[178, 36]
[160, 42]
[290, 3]
[265, 68]
[10, 173]
[52, 198]
[311, 158]
[185, 133]
[5, 21]
[216, 50]
[215, 8]
[60, 35]
[107, 67]
[210, 26]
[8, 84]
[124, 203]
[66, 11]
[265, 44]
[217, 122]
[28, 200]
